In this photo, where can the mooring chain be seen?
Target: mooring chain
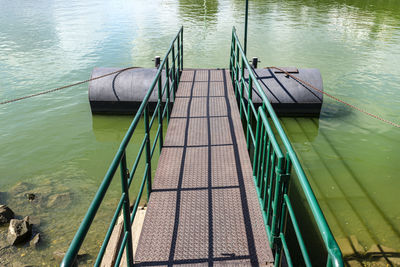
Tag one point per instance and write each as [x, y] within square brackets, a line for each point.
[272, 67]
[65, 86]
[335, 98]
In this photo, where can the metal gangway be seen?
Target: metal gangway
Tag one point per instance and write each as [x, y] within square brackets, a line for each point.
[220, 194]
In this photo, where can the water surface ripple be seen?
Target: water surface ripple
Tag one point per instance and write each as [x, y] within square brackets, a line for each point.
[54, 145]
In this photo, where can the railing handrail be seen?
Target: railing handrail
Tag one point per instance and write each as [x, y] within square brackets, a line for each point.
[80, 235]
[330, 243]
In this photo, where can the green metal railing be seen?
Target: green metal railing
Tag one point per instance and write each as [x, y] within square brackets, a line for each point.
[161, 111]
[274, 163]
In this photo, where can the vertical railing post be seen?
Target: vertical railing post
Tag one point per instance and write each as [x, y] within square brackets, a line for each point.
[264, 166]
[126, 212]
[231, 57]
[159, 111]
[262, 156]
[148, 156]
[182, 49]
[282, 212]
[249, 110]
[256, 149]
[278, 253]
[179, 58]
[173, 76]
[278, 198]
[242, 88]
[167, 81]
[237, 70]
[234, 66]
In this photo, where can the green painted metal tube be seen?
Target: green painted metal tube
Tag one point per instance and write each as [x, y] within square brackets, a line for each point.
[270, 132]
[277, 200]
[326, 234]
[109, 232]
[248, 126]
[164, 89]
[297, 231]
[148, 150]
[121, 251]
[159, 112]
[156, 137]
[266, 149]
[139, 196]
[168, 89]
[136, 163]
[178, 57]
[231, 55]
[125, 211]
[181, 48]
[255, 162]
[165, 111]
[155, 114]
[80, 235]
[174, 85]
[286, 250]
[261, 158]
[253, 110]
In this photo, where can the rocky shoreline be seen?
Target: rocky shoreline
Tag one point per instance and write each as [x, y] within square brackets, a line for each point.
[20, 233]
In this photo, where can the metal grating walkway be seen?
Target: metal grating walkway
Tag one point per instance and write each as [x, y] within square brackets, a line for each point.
[204, 209]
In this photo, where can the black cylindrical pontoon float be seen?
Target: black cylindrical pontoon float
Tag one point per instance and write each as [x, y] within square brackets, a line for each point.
[123, 92]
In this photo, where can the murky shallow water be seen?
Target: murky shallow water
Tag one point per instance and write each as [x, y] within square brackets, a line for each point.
[55, 145]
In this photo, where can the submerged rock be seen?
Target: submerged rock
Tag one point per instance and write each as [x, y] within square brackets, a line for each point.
[20, 187]
[82, 257]
[6, 214]
[30, 196]
[3, 197]
[59, 200]
[59, 255]
[19, 231]
[20, 264]
[35, 241]
[34, 220]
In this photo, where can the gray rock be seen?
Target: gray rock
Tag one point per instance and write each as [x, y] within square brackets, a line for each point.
[6, 214]
[35, 241]
[19, 231]
[59, 200]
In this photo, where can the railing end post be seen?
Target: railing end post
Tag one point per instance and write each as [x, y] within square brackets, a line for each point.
[157, 61]
[254, 62]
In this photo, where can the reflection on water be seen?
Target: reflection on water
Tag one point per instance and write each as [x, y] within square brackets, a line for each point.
[54, 142]
[198, 10]
[104, 127]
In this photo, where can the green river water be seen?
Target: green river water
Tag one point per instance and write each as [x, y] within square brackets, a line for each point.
[52, 144]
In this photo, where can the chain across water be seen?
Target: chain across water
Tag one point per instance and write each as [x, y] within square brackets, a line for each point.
[335, 98]
[65, 86]
[272, 67]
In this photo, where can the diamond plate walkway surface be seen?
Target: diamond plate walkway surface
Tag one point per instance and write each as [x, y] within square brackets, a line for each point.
[204, 208]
